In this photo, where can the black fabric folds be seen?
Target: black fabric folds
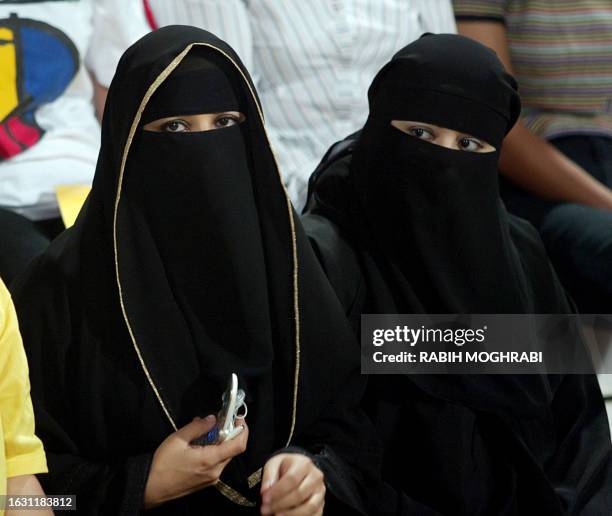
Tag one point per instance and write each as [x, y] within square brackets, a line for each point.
[405, 226]
[185, 265]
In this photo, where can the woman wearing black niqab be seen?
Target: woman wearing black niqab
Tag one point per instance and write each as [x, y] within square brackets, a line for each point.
[405, 226]
[186, 265]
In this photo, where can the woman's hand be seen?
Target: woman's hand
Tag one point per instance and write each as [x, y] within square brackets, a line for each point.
[179, 468]
[292, 486]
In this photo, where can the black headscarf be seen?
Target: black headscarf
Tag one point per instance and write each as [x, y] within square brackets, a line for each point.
[431, 235]
[186, 264]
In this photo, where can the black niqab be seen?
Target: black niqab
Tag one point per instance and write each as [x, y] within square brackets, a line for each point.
[437, 211]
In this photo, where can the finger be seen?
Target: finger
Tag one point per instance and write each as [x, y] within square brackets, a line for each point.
[271, 473]
[235, 446]
[292, 473]
[312, 507]
[196, 428]
[298, 496]
[215, 454]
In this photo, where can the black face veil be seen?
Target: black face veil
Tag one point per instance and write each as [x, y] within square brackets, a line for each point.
[189, 201]
[433, 211]
[185, 265]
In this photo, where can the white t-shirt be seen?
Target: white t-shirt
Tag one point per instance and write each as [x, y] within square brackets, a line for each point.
[49, 134]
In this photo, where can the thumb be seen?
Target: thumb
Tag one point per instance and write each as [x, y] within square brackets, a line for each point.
[196, 428]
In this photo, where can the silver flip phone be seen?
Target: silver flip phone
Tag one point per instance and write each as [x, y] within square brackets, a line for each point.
[232, 402]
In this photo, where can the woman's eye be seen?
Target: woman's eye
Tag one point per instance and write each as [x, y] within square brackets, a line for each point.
[226, 121]
[470, 145]
[175, 126]
[421, 133]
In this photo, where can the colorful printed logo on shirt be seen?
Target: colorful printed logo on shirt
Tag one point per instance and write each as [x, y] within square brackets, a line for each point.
[37, 63]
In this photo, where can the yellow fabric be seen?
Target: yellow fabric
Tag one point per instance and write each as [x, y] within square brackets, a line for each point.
[21, 452]
[9, 96]
[70, 199]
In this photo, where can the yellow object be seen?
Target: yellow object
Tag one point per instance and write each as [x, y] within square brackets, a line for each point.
[71, 199]
[21, 452]
[9, 96]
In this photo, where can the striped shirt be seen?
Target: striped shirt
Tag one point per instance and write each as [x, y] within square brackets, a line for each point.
[312, 61]
[561, 52]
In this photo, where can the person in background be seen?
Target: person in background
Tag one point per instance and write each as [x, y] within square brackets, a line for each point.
[559, 157]
[52, 55]
[312, 61]
[21, 452]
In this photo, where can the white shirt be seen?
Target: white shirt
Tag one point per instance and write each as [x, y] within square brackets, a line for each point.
[312, 61]
[58, 134]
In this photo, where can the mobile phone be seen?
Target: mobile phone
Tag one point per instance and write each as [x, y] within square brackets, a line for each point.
[232, 402]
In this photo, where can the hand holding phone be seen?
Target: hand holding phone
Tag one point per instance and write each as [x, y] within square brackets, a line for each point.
[232, 402]
[178, 468]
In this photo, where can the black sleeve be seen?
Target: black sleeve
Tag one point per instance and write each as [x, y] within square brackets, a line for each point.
[342, 444]
[101, 486]
[582, 467]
